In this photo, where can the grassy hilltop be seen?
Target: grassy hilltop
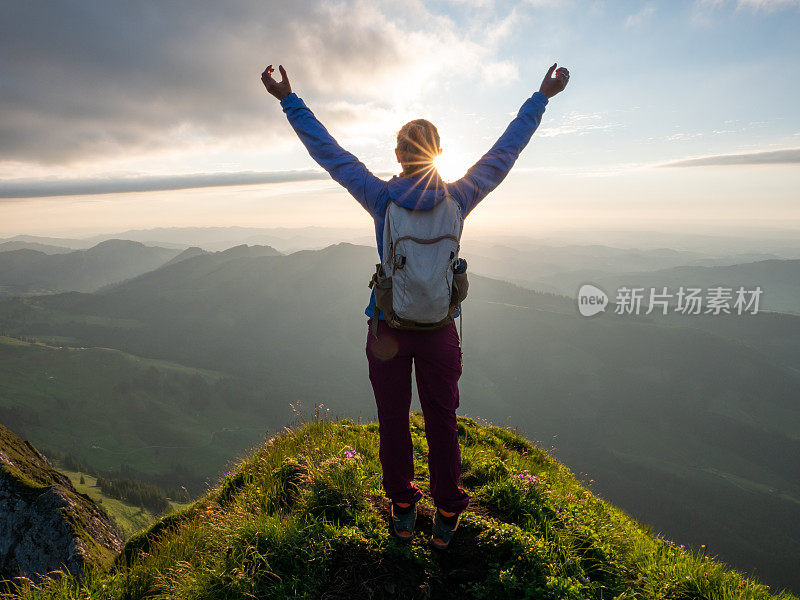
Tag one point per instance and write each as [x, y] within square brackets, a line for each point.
[303, 516]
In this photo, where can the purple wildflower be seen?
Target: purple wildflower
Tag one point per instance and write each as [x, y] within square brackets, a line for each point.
[350, 453]
[526, 477]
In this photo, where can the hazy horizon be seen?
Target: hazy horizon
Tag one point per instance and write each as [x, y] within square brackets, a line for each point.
[731, 240]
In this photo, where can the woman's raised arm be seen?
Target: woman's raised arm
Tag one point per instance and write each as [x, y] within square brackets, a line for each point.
[492, 168]
[342, 166]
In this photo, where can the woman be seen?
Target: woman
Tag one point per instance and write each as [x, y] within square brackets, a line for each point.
[436, 354]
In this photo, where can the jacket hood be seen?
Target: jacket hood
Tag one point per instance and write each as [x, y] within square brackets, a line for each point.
[417, 192]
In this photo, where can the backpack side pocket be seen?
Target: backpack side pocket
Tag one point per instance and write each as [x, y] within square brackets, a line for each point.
[460, 287]
[382, 286]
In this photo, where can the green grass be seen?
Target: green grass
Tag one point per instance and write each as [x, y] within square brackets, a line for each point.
[109, 408]
[130, 519]
[299, 518]
[52, 343]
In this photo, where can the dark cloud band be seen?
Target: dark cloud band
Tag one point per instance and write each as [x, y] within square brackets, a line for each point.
[771, 157]
[80, 187]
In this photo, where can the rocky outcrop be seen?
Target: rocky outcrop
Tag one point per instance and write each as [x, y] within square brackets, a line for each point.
[45, 524]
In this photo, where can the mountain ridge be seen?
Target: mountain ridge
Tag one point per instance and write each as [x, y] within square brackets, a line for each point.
[28, 271]
[303, 515]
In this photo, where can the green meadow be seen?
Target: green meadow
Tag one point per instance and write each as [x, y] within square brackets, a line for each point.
[116, 411]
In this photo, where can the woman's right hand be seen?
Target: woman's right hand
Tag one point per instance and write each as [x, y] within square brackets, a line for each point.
[279, 89]
[553, 85]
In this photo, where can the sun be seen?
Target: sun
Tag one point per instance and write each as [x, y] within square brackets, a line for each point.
[450, 165]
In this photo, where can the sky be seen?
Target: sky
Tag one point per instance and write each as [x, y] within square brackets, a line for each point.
[679, 115]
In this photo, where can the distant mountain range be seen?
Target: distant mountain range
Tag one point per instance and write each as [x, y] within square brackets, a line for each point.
[29, 271]
[20, 245]
[734, 246]
[208, 238]
[537, 262]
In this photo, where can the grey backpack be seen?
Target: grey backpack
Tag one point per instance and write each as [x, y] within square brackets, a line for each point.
[415, 285]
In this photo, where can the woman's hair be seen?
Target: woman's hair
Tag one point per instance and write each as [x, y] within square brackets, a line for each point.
[418, 143]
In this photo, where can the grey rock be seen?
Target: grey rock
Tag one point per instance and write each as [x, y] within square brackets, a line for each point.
[47, 526]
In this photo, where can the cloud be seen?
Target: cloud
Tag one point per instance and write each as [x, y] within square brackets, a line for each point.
[704, 12]
[757, 5]
[476, 3]
[545, 3]
[768, 5]
[37, 188]
[577, 123]
[86, 79]
[682, 137]
[639, 18]
[769, 157]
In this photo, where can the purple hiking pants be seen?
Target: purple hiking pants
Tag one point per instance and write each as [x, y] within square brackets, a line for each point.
[436, 356]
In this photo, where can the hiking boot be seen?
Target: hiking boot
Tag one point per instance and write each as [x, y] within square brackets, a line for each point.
[403, 520]
[443, 530]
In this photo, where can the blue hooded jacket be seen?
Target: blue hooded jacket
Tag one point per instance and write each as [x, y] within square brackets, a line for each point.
[420, 192]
